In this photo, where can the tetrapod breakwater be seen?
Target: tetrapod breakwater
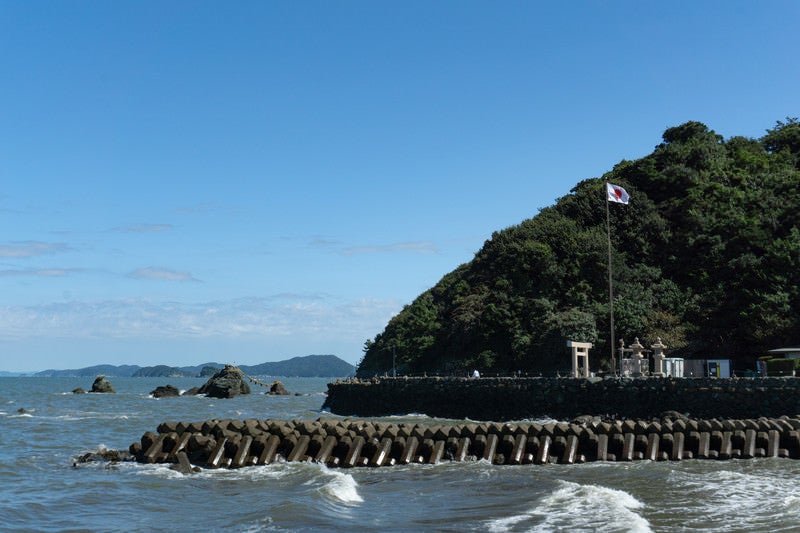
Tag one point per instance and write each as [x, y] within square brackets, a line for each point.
[360, 443]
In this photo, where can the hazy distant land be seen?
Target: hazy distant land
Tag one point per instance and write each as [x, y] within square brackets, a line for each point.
[309, 366]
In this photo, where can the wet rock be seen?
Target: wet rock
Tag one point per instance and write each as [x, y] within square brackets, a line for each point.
[278, 389]
[227, 383]
[165, 392]
[191, 392]
[101, 384]
[78, 391]
[583, 420]
[672, 415]
[112, 456]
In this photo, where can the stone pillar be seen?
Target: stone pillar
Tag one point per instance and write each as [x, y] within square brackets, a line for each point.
[621, 356]
[580, 350]
[637, 356]
[658, 357]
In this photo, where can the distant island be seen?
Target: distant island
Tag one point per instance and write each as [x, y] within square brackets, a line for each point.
[310, 366]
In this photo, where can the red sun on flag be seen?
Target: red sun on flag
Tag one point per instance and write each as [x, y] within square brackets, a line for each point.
[617, 194]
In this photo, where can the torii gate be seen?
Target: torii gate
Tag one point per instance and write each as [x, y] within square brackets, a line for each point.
[580, 350]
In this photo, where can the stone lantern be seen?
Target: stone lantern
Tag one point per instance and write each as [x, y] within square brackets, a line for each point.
[637, 348]
[658, 357]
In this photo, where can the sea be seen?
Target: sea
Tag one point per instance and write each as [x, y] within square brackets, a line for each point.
[44, 428]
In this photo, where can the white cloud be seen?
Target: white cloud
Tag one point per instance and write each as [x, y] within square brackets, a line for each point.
[41, 272]
[144, 228]
[244, 318]
[24, 249]
[421, 247]
[161, 274]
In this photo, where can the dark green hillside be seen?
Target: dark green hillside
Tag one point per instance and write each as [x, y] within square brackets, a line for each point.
[162, 371]
[706, 256]
[309, 366]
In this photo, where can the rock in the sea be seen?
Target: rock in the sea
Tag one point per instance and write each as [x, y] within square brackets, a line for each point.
[191, 392]
[113, 456]
[78, 391]
[277, 389]
[226, 383]
[167, 391]
[672, 415]
[101, 384]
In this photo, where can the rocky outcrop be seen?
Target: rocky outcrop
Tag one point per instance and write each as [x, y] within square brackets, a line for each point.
[277, 389]
[227, 383]
[165, 392]
[113, 456]
[101, 384]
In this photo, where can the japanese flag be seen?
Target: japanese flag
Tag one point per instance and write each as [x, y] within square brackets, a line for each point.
[616, 194]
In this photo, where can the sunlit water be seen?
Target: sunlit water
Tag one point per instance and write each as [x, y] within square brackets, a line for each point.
[41, 490]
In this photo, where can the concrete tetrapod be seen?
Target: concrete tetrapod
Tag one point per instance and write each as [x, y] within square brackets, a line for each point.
[348, 443]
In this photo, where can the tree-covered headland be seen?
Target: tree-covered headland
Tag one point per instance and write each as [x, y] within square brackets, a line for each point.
[706, 256]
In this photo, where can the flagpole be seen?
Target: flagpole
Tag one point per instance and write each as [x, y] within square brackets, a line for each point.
[610, 283]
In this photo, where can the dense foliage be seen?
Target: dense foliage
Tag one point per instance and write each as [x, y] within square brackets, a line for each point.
[706, 256]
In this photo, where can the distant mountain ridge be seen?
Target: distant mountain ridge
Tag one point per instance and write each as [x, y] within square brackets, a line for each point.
[305, 366]
[91, 371]
[310, 366]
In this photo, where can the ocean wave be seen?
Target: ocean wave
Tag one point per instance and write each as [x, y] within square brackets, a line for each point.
[575, 507]
[340, 486]
[335, 487]
[86, 416]
[751, 492]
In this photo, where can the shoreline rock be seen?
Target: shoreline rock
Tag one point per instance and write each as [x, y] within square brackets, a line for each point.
[227, 383]
[166, 391]
[101, 384]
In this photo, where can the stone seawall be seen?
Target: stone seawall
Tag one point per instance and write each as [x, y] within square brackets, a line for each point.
[503, 399]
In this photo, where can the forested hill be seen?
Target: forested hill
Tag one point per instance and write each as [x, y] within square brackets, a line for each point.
[706, 256]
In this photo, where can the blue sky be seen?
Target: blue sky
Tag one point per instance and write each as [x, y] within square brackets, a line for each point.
[183, 182]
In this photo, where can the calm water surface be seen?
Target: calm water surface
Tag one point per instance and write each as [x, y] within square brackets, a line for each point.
[41, 490]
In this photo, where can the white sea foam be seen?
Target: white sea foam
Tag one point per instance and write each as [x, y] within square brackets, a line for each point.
[91, 416]
[545, 420]
[251, 473]
[574, 507]
[738, 489]
[341, 487]
[792, 504]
